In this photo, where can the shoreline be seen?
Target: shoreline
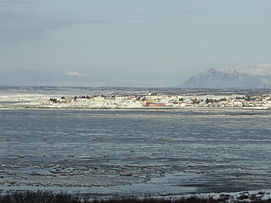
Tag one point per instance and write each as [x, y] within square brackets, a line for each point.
[81, 116]
[149, 102]
[263, 195]
[166, 109]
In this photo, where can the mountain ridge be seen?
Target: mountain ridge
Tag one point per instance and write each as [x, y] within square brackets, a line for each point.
[244, 76]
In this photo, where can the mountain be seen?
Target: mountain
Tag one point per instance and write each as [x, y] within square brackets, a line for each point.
[28, 77]
[244, 76]
[24, 77]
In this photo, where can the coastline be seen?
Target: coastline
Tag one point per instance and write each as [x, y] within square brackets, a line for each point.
[166, 109]
[256, 196]
[29, 106]
[148, 102]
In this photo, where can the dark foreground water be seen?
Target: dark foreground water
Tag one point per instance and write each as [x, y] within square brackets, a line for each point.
[135, 152]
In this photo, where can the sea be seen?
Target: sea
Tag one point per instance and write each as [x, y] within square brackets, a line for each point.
[139, 153]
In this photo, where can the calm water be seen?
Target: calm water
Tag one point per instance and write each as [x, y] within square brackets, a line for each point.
[135, 152]
[51, 90]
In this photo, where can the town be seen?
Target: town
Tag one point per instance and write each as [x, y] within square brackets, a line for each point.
[154, 100]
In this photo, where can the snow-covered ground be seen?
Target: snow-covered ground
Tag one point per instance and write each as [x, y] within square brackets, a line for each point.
[135, 101]
[230, 197]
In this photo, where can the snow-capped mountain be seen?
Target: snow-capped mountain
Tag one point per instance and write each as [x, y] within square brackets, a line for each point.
[244, 76]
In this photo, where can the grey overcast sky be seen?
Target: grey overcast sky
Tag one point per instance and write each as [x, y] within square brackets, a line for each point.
[133, 42]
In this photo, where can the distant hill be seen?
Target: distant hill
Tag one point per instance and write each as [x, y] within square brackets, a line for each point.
[245, 76]
[25, 77]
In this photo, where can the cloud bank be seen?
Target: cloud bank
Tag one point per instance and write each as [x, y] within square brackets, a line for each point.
[71, 73]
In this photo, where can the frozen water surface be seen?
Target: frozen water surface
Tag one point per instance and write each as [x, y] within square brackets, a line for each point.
[135, 152]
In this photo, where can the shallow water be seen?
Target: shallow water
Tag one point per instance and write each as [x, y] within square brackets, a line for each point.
[135, 152]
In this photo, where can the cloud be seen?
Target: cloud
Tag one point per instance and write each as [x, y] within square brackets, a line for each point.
[265, 65]
[185, 11]
[71, 73]
[137, 17]
[15, 2]
[17, 27]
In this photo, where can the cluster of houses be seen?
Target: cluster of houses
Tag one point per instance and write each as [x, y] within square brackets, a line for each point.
[162, 101]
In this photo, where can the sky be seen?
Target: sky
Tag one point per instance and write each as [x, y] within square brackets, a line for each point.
[157, 43]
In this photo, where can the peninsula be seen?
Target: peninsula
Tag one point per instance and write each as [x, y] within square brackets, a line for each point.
[145, 101]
